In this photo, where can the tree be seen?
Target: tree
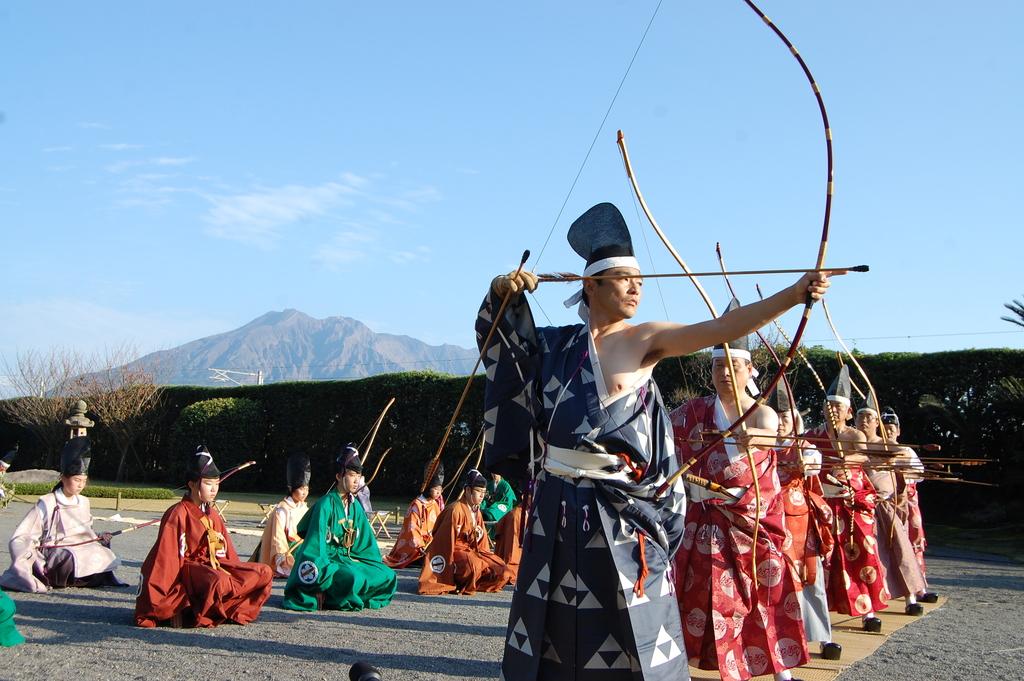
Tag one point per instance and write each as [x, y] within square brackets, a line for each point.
[125, 398]
[45, 385]
[1017, 308]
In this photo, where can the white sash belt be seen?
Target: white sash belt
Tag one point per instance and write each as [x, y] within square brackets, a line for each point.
[572, 463]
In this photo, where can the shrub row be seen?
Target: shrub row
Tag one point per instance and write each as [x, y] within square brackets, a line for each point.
[969, 413]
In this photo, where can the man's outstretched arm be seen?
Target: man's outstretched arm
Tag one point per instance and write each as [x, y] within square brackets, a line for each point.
[666, 339]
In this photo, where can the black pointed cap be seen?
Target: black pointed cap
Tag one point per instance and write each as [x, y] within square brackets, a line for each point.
[298, 472]
[869, 404]
[438, 479]
[10, 456]
[474, 478]
[889, 417]
[741, 343]
[781, 399]
[200, 465]
[76, 455]
[600, 233]
[841, 386]
[348, 459]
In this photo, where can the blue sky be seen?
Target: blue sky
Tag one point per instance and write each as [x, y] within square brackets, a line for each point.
[173, 170]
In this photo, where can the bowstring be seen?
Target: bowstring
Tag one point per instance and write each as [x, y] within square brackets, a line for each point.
[597, 134]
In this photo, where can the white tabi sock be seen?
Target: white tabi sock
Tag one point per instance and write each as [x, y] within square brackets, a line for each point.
[784, 675]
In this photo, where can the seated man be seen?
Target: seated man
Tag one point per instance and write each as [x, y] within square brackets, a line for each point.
[418, 527]
[192, 576]
[55, 546]
[9, 635]
[460, 558]
[498, 499]
[338, 565]
[280, 534]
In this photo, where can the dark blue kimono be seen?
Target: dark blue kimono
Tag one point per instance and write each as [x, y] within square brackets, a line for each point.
[583, 609]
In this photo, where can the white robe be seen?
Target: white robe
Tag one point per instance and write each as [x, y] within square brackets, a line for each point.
[55, 519]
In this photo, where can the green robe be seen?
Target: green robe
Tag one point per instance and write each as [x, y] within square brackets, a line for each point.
[9, 635]
[344, 578]
[500, 499]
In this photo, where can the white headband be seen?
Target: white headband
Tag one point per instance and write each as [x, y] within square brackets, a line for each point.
[838, 398]
[742, 354]
[594, 268]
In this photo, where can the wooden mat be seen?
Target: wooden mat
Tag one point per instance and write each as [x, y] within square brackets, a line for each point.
[857, 644]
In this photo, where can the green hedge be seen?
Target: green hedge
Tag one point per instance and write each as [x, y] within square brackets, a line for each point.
[978, 418]
[100, 491]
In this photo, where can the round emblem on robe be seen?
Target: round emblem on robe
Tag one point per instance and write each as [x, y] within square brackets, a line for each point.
[308, 572]
[437, 564]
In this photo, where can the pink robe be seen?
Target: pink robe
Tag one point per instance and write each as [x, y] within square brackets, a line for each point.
[55, 519]
[729, 625]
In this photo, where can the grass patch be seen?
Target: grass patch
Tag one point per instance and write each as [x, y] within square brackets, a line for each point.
[1006, 541]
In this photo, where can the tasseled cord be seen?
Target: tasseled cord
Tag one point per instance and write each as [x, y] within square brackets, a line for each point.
[638, 587]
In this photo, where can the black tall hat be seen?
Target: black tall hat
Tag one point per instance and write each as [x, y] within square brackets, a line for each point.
[600, 233]
[10, 456]
[200, 465]
[741, 344]
[870, 403]
[889, 417]
[781, 399]
[840, 390]
[438, 478]
[474, 478]
[298, 471]
[348, 459]
[75, 457]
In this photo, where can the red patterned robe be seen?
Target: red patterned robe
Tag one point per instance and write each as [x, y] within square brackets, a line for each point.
[808, 516]
[727, 624]
[856, 580]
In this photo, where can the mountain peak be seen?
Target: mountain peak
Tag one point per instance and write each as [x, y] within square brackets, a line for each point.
[289, 345]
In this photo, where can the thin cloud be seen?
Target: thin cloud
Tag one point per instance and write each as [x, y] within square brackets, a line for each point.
[344, 248]
[93, 125]
[120, 147]
[54, 150]
[256, 218]
[121, 166]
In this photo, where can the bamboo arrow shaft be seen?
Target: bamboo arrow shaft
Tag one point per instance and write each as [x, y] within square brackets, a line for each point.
[549, 277]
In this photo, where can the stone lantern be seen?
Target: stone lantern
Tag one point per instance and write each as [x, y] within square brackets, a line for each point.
[78, 423]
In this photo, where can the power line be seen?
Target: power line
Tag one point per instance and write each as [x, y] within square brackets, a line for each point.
[920, 335]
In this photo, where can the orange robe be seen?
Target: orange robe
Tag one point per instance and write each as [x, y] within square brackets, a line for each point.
[417, 531]
[460, 557]
[193, 571]
[506, 539]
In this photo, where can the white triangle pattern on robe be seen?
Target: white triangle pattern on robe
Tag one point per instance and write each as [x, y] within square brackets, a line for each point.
[539, 587]
[519, 639]
[568, 583]
[611, 651]
[597, 541]
[628, 595]
[665, 649]
[549, 651]
[585, 598]
[621, 537]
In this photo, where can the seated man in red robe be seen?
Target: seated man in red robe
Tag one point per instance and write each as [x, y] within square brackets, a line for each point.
[460, 558]
[192, 575]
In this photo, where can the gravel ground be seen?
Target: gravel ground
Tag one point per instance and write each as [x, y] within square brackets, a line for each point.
[87, 633]
[977, 634]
